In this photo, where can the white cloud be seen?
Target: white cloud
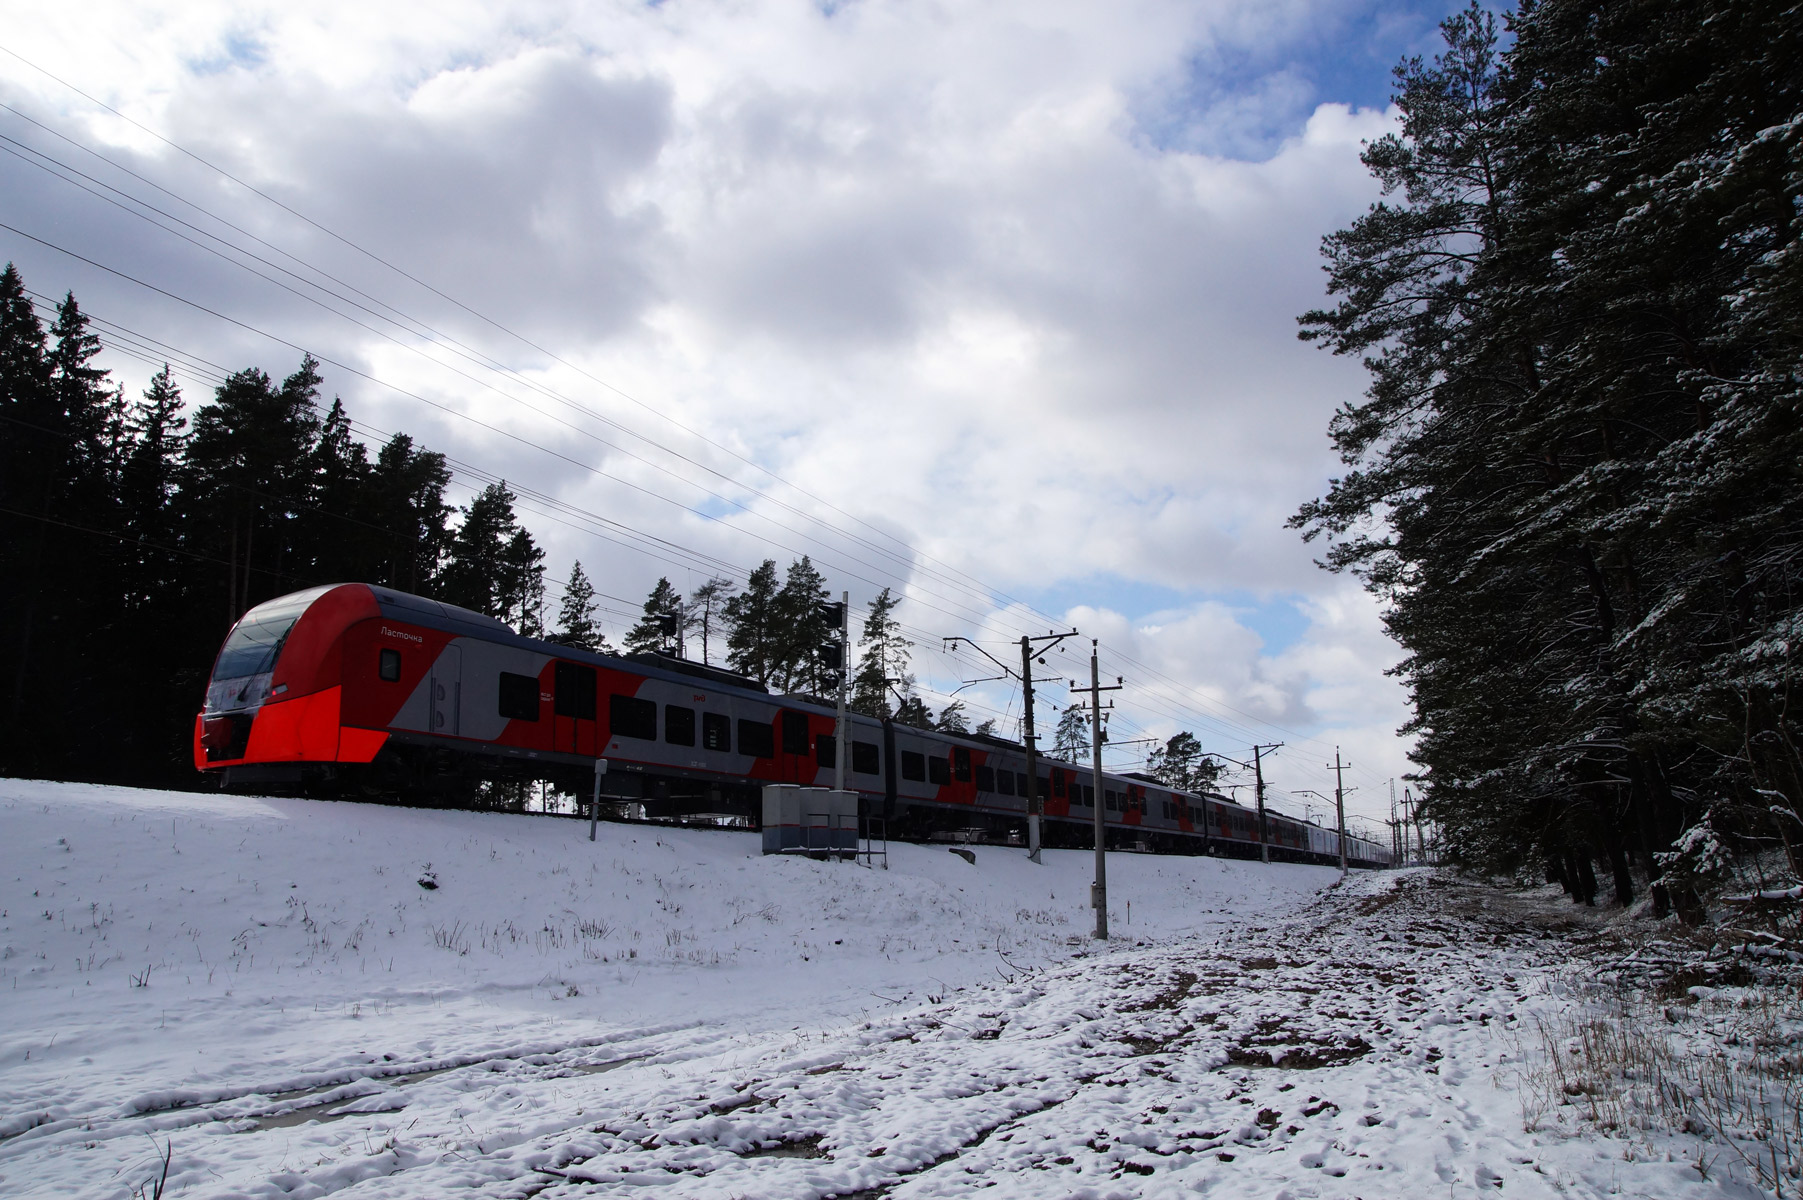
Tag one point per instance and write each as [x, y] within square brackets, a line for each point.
[949, 268]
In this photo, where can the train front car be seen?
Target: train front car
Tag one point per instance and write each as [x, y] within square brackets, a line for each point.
[272, 714]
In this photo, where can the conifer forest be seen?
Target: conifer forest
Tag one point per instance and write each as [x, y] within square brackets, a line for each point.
[1576, 479]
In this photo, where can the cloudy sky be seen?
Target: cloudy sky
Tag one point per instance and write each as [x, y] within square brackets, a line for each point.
[993, 303]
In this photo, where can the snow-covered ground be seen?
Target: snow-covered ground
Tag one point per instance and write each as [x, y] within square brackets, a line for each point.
[266, 989]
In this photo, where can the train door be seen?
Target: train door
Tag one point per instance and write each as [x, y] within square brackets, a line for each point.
[573, 709]
[447, 691]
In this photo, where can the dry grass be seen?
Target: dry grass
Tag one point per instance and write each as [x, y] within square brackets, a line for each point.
[1723, 1064]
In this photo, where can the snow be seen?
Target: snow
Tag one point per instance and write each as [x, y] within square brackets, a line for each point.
[266, 988]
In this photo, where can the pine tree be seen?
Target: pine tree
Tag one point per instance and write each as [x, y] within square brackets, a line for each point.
[951, 719]
[406, 501]
[521, 594]
[987, 728]
[662, 606]
[801, 627]
[883, 664]
[1175, 764]
[751, 648]
[913, 711]
[1070, 741]
[707, 611]
[476, 575]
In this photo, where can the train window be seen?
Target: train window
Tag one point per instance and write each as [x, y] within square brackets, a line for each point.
[914, 766]
[864, 758]
[1020, 783]
[630, 717]
[1045, 788]
[679, 725]
[939, 771]
[986, 779]
[388, 665]
[1058, 783]
[716, 732]
[519, 697]
[1004, 782]
[757, 739]
[795, 733]
[825, 750]
[1109, 799]
[1089, 795]
[961, 763]
[575, 694]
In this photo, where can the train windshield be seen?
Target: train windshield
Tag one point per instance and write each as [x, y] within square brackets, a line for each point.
[251, 648]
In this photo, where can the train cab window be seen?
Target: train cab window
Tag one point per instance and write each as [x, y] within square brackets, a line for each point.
[826, 750]
[914, 766]
[961, 763]
[939, 771]
[519, 697]
[864, 758]
[575, 694]
[757, 739]
[986, 779]
[716, 732]
[679, 725]
[388, 665]
[1004, 782]
[795, 733]
[630, 717]
[1020, 783]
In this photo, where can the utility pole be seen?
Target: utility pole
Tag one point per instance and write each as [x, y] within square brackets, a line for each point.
[1035, 803]
[1258, 773]
[1339, 802]
[840, 751]
[1098, 892]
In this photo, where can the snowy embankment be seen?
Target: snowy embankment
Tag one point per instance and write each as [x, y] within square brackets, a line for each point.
[171, 959]
[266, 991]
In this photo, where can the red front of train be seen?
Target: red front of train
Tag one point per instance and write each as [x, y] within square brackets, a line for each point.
[277, 689]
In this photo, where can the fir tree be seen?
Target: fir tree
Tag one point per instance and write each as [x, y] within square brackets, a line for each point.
[576, 614]
[951, 719]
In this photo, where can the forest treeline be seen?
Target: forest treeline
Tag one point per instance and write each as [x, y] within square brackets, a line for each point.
[1576, 479]
[134, 531]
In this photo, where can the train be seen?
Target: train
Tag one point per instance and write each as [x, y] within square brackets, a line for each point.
[359, 690]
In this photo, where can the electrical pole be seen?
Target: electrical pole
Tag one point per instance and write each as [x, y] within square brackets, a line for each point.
[1339, 802]
[1258, 773]
[1098, 892]
[1035, 803]
[839, 748]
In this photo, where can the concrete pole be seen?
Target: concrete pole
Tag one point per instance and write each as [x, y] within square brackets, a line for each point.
[1099, 898]
[1264, 838]
[1339, 801]
[594, 804]
[840, 750]
[1033, 800]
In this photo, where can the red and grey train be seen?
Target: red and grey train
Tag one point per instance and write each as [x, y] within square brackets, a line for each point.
[354, 689]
